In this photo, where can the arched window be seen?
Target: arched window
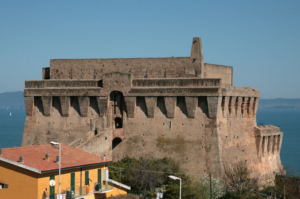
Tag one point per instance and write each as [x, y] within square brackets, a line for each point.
[115, 142]
[118, 123]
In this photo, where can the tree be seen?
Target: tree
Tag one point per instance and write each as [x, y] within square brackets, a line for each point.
[217, 187]
[288, 185]
[142, 178]
[195, 189]
[237, 178]
[143, 175]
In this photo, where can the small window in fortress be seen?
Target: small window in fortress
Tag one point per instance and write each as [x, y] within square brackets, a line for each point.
[118, 123]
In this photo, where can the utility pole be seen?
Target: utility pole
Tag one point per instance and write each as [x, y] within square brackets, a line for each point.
[272, 193]
[284, 184]
[176, 178]
[59, 165]
[284, 191]
[211, 196]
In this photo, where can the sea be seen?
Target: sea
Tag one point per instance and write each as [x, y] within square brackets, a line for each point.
[12, 122]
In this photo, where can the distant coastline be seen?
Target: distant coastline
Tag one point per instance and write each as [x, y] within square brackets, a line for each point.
[279, 107]
[16, 100]
[12, 99]
[279, 103]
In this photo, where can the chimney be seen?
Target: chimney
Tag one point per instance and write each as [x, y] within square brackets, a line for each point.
[57, 159]
[21, 159]
[104, 158]
[47, 156]
[1, 152]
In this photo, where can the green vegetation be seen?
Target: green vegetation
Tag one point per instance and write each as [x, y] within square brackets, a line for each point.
[199, 189]
[238, 181]
[284, 185]
[147, 176]
[143, 175]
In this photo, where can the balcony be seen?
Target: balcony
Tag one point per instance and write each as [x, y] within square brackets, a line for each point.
[105, 187]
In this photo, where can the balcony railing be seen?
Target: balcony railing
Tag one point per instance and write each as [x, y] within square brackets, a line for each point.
[104, 187]
[76, 192]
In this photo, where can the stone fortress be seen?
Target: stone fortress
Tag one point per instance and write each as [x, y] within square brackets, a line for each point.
[178, 107]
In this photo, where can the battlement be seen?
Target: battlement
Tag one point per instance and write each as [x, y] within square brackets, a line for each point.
[62, 83]
[175, 82]
[226, 107]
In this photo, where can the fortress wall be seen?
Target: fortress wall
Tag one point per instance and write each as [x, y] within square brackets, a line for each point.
[139, 67]
[88, 91]
[61, 83]
[55, 123]
[155, 133]
[99, 145]
[218, 71]
[232, 106]
[241, 143]
[195, 111]
[203, 133]
[179, 67]
[183, 82]
[241, 139]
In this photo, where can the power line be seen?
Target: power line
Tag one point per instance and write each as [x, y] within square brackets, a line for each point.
[156, 171]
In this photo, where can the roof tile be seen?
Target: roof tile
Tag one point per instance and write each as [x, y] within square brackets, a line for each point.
[34, 156]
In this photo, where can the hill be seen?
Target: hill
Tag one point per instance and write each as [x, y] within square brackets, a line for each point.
[279, 103]
[11, 99]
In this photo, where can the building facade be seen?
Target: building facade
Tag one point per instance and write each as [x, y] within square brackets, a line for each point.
[178, 107]
[82, 174]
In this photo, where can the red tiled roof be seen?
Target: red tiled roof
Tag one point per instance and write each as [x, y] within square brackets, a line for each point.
[34, 156]
[1, 182]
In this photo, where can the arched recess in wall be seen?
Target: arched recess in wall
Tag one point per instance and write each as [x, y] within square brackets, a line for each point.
[118, 123]
[116, 142]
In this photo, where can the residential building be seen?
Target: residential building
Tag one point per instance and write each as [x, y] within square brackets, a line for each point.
[28, 171]
[3, 185]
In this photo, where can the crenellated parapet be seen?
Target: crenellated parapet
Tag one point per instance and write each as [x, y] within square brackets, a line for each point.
[218, 107]
[62, 83]
[223, 101]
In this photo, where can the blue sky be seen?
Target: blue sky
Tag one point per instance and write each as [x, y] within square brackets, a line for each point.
[260, 39]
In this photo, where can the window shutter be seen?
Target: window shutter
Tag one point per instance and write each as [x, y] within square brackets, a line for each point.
[99, 179]
[73, 182]
[52, 189]
[86, 177]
